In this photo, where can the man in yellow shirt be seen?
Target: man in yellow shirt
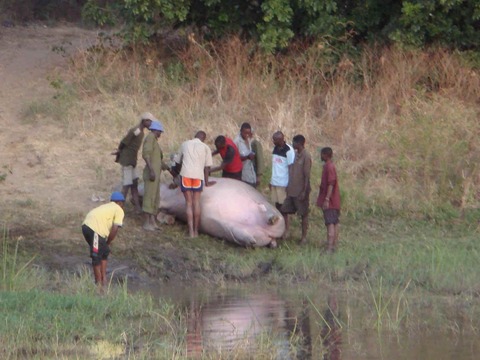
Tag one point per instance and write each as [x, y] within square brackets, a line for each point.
[99, 230]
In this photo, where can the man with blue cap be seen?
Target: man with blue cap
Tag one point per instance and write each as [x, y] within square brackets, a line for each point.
[153, 156]
[99, 229]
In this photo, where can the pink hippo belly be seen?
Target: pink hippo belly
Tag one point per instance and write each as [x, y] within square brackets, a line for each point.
[231, 210]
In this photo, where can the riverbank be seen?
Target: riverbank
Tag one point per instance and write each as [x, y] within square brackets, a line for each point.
[438, 256]
[400, 279]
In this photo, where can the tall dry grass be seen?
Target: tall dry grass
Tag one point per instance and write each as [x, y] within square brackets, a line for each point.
[403, 123]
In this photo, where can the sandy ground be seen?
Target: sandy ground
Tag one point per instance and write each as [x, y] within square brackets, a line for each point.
[44, 186]
[48, 174]
[35, 159]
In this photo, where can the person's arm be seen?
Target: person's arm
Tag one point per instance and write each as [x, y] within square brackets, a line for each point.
[113, 233]
[163, 166]
[331, 178]
[206, 173]
[175, 169]
[307, 168]
[123, 143]
[127, 139]
[326, 202]
[259, 161]
[146, 155]
[244, 151]
[119, 149]
[177, 160]
[230, 153]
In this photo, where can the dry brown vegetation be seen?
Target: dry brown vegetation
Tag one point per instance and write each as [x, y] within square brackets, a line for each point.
[403, 123]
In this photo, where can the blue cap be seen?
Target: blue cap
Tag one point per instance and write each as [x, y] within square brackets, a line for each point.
[156, 125]
[117, 196]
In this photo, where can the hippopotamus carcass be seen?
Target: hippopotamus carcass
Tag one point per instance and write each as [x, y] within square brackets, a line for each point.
[230, 210]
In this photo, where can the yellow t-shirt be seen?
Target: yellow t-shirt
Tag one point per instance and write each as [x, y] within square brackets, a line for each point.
[102, 218]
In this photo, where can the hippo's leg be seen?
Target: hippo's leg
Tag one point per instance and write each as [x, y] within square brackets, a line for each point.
[241, 236]
[272, 218]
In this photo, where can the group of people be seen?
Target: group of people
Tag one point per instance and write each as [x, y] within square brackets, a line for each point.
[242, 159]
[290, 186]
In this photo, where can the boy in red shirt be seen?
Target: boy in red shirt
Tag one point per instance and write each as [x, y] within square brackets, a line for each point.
[329, 199]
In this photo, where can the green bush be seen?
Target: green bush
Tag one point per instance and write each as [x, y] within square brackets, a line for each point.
[276, 23]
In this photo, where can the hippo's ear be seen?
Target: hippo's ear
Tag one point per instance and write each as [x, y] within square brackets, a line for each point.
[262, 207]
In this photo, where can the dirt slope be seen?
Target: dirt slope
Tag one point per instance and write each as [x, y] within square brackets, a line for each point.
[33, 154]
[48, 176]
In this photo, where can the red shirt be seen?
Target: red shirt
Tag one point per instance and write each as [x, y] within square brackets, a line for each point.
[235, 165]
[329, 177]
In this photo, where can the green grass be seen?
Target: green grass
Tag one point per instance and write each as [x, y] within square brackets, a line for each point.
[84, 323]
[383, 280]
[15, 273]
[440, 258]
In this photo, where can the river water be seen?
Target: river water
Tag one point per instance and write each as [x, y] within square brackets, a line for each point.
[300, 323]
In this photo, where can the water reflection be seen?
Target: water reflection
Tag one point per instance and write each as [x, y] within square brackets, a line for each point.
[247, 324]
[331, 332]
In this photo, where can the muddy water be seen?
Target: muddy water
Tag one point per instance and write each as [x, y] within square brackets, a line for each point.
[318, 324]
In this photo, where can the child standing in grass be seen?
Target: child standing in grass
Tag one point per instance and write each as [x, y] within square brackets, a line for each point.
[329, 199]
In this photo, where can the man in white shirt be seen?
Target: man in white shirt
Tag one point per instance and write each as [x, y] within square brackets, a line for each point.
[243, 142]
[283, 156]
[195, 159]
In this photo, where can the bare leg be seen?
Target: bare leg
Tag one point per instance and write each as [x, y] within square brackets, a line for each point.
[125, 190]
[147, 225]
[103, 267]
[189, 204]
[330, 237]
[135, 196]
[285, 218]
[196, 212]
[303, 240]
[337, 229]
[287, 226]
[97, 274]
[153, 222]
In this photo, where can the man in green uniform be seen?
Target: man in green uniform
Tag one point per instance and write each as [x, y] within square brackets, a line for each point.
[153, 156]
[126, 155]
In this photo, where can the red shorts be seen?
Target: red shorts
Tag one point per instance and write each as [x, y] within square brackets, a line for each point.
[189, 184]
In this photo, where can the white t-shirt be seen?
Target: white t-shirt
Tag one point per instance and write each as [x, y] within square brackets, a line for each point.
[282, 158]
[194, 156]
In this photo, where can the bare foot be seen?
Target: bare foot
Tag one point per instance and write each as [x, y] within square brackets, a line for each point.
[148, 227]
[330, 250]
